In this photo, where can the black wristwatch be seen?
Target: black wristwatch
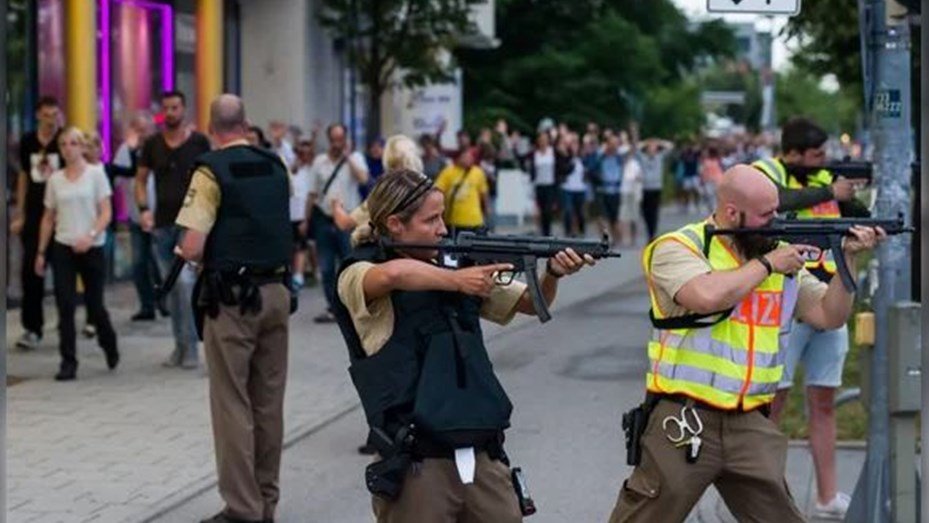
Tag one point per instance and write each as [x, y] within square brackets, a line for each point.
[767, 265]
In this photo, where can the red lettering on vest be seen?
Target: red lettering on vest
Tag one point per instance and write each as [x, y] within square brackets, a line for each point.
[826, 209]
[761, 308]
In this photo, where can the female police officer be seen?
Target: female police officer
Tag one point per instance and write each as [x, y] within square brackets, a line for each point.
[432, 401]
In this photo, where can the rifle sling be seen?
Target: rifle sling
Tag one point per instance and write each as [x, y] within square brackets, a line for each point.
[688, 321]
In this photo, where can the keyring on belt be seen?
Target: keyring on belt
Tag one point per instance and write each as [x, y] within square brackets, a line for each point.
[683, 425]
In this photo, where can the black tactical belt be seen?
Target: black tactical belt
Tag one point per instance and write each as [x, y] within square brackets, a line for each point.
[425, 448]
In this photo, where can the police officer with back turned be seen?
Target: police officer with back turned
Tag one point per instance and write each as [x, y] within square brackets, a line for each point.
[237, 225]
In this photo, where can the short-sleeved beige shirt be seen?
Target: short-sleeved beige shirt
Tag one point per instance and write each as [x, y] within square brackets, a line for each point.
[673, 265]
[374, 321]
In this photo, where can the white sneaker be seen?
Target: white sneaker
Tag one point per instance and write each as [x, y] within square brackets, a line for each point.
[28, 341]
[835, 509]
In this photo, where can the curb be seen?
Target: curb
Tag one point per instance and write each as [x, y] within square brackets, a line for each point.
[209, 481]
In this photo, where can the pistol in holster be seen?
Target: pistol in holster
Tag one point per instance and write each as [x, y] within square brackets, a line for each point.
[385, 477]
[634, 422]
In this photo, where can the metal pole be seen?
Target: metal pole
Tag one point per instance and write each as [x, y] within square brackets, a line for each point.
[924, 255]
[890, 127]
[6, 252]
[352, 117]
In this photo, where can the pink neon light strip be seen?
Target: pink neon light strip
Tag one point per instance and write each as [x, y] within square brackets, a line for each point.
[167, 59]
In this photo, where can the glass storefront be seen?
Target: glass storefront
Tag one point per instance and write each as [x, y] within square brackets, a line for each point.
[143, 48]
[136, 62]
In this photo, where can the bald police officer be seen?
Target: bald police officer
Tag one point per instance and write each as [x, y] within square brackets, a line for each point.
[237, 224]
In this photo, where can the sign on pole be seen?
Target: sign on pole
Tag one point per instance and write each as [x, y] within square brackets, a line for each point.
[765, 7]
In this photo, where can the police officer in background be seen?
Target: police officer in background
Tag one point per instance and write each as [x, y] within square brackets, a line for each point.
[720, 305]
[237, 225]
[814, 196]
[430, 395]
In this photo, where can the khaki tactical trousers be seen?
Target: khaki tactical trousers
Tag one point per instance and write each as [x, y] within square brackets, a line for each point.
[742, 454]
[247, 359]
[433, 492]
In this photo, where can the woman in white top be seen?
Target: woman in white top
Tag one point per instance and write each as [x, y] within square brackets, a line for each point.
[300, 185]
[542, 172]
[77, 210]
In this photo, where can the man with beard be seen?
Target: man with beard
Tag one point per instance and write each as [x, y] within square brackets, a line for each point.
[720, 306]
[169, 156]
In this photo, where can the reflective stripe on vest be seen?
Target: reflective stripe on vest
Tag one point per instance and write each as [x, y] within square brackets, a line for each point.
[773, 169]
[735, 362]
[778, 173]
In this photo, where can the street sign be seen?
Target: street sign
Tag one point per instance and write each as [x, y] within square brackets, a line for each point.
[766, 7]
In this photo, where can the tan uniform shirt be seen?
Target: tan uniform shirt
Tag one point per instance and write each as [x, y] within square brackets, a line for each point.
[673, 265]
[374, 321]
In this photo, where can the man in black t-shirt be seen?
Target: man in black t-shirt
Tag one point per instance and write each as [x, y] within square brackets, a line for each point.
[39, 158]
[169, 156]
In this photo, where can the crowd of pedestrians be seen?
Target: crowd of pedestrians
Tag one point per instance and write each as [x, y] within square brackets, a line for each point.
[589, 181]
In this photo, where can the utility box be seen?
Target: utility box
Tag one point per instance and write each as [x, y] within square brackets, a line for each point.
[903, 352]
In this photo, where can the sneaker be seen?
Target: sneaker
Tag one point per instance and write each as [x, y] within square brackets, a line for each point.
[325, 317]
[174, 360]
[66, 372]
[112, 358]
[835, 509]
[89, 330]
[28, 341]
[143, 315]
[190, 364]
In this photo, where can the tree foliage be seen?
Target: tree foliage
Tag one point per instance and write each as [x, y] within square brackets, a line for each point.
[828, 41]
[608, 61]
[797, 92]
[390, 38]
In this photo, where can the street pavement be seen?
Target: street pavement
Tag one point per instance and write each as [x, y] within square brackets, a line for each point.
[135, 444]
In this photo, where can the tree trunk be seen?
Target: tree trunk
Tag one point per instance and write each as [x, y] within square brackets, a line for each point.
[374, 112]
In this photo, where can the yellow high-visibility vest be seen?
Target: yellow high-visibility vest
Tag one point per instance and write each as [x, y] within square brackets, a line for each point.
[776, 171]
[735, 363]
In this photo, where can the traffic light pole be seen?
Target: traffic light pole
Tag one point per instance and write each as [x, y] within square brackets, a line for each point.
[924, 253]
[888, 44]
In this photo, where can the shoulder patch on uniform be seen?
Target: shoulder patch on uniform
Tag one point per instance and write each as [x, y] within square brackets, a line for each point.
[189, 198]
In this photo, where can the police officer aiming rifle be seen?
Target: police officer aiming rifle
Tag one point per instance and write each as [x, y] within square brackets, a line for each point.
[418, 360]
[720, 305]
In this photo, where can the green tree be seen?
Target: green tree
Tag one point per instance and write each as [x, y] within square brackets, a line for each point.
[797, 92]
[607, 61]
[386, 38]
[828, 41]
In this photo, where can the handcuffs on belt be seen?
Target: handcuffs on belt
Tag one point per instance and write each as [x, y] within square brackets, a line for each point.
[688, 433]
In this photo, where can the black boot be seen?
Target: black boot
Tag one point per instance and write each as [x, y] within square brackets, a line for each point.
[66, 372]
